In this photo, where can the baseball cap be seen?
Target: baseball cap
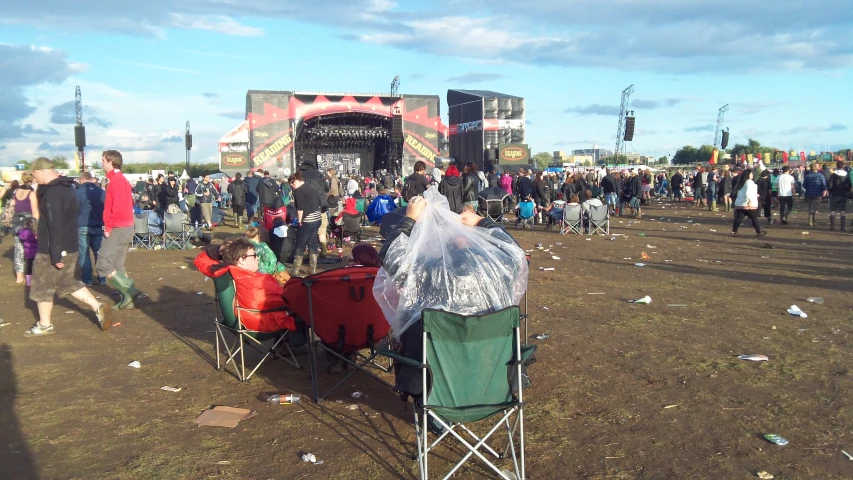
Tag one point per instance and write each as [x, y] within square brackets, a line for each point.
[41, 163]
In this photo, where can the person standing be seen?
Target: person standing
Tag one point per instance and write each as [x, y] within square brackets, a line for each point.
[765, 194]
[726, 188]
[205, 195]
[676, 184]
[118, 230]
[53, 266]
[839, 187]
[24, 205]
[238, 191]
[417, 183]
[308, 218]
[608, 186]
[267, 191]
[252, 183]
[746, 203]
[90, 225]
[814, 189]
[786, 190]
[711, 190]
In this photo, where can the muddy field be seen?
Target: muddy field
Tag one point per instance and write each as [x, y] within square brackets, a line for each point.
[620, 391]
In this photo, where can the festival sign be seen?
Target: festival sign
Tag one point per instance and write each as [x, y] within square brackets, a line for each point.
[233, 160]
[518, 153]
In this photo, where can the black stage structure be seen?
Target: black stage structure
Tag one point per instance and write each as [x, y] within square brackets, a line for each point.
[349, 131]
[483, 124]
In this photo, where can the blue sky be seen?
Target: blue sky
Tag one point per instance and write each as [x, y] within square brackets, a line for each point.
[145, 68]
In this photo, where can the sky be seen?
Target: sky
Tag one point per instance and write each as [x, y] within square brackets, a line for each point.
[785, 68]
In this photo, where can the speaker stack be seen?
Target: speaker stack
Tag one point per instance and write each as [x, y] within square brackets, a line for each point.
[188, 141]
[80, 137]
[397, 129]
[725, 142]
[629, 128]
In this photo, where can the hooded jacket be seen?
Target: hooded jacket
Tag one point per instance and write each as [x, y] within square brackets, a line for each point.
[267, 191]
[57, 226]
[451, 187]
[839, 184]
[238, 190]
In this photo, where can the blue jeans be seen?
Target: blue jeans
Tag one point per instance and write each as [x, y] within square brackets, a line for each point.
[611, 199]
[89, 239]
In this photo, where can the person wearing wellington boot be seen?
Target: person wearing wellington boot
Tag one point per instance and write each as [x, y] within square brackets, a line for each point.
[118, 231]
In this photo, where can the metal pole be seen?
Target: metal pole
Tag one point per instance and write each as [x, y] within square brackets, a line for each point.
[620, 130]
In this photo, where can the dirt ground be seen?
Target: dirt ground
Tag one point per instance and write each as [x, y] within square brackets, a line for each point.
[620, 391]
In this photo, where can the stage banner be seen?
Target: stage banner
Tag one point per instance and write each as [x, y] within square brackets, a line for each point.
[271, 140]
[233, 161]
[513, 154]
[421, 125]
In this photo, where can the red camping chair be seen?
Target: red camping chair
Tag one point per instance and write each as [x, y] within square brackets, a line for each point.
[342, 313]
[271, 214]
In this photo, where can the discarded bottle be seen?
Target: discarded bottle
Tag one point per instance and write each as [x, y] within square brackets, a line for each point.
[288, 399]
[817, 300]
[340, 253]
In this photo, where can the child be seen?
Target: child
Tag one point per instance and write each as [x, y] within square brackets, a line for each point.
[27, 235]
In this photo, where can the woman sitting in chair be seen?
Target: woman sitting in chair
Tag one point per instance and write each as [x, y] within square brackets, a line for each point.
[255, 290]
[554, 212]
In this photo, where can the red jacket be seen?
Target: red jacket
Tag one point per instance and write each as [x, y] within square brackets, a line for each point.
[118, 204]
[258, 291]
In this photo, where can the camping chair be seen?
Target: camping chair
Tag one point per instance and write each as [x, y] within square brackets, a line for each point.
[526, 210]
[344, 319]
[361, 206]
[142, 236]
[472, 371]
[493, 209]
[572, 220]
[227, 319]
[599, 220]
[174, 233]
[351, 228]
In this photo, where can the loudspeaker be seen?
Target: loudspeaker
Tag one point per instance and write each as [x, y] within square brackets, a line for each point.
[188, 141]
[491, 154]
[725, 141]
[397, 129]
[629, 129]
[80, 137]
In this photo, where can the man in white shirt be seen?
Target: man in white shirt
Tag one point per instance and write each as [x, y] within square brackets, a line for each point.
[787, 188]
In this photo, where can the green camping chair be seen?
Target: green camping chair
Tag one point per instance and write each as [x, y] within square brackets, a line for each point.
[361, 206]
[227, 319]
[472, 371]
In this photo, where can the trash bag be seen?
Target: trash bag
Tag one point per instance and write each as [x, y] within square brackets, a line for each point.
[447, 265]
[379, 207]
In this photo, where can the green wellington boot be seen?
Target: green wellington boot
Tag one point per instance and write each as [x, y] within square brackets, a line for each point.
[126, 289]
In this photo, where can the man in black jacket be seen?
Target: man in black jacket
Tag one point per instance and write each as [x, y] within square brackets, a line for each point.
[525, 185]
[417, 183]
[238, 190]
[608, 185]
[267, 190]
[312, 177]
[676, 183]
[53, 266]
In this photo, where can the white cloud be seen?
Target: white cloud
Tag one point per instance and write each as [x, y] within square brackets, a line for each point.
[216, 23]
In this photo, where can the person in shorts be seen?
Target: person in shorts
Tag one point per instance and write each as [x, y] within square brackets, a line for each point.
[53, 266]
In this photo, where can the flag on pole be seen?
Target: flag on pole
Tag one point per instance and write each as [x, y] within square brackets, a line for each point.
[767, 159]
[749, 158]
[803, 157]
[785, 158]
[714, 157]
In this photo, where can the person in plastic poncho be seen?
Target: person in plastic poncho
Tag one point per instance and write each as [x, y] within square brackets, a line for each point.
[434, 258]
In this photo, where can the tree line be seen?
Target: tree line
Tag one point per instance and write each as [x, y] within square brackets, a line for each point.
[690, 155]
[195, 170]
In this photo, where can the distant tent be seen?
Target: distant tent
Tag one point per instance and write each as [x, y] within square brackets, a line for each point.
[184, 175]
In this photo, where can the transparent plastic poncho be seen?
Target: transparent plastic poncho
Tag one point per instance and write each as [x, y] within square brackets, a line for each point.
[447, 265]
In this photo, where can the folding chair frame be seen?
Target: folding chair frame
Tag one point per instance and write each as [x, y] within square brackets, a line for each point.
[421, 427]
[602, 226]
[314, 343]
[495, 218]
[144, 239]
[573, 226]
[243, 337]
[172, 238]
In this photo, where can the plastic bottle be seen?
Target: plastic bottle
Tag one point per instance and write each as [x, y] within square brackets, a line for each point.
[817, 300]
[340, 253]
[284, 399]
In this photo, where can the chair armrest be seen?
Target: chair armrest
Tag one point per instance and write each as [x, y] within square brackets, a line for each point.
[409, 362]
